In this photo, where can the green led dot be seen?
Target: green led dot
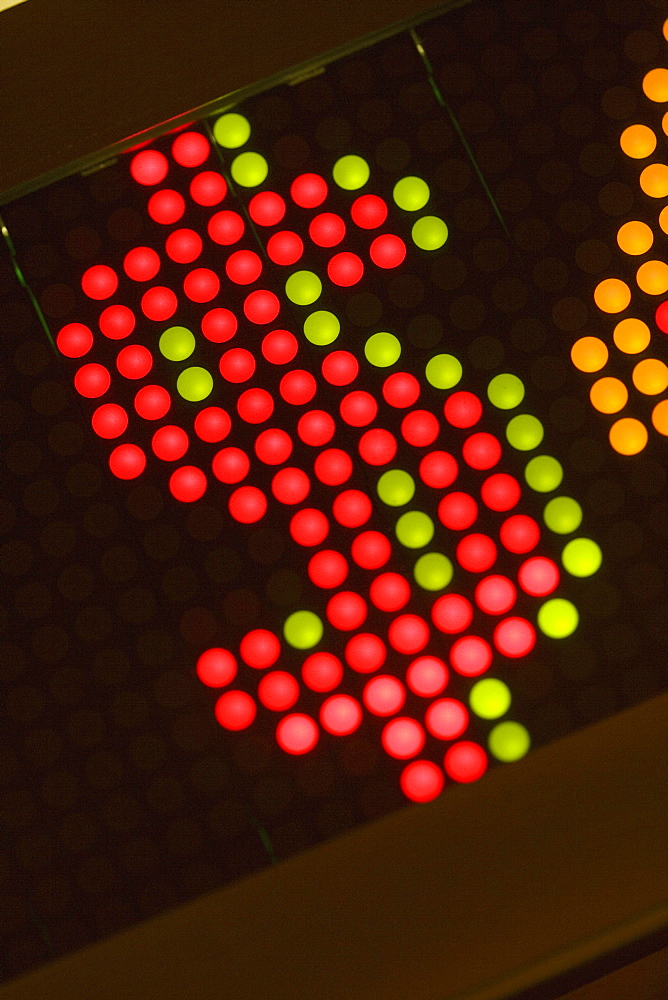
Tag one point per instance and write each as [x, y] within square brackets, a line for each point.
[543, 473]
[506, 391]
[321, 327]
[231, 130]
[303, 629]
[558, 618]
[411, 193]
[249, 169]
[177, 343]
[194, 384]
[443, 371]
[351, 172]
[303, 288]
[429, 233]
[489, 698]
[509, 741]
[582, 557]
[414, 529]
[433, 571]
[382, 350]
[396, 487]
[563, 515]
[524, 432]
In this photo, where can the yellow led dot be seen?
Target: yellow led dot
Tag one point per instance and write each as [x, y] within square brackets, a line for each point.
[635, 238]
[655, 85]
[589, 354]
[628, 436]
[650, 376]
[652, 277]
[660, 417]
[631, 336]
[654, 180]
[638, 141]
[608, 395]
[612, 295]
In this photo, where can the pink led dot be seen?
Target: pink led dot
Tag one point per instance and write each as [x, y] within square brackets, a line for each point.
[438, 469]
[216, 667]
[208, 188]
[74, 340]
[309, 527]
[327, 229]
[538, 576]
[327, 569]
[500, 492]
[92, 380]
[191, 149]
[340, 368]
[352, 508]
[340, 715]
[260, 648]
[152, 402]
[159, 303]
[297, 387]
[333, 466]
[322, 672]
[235, 710]
[457, 511]
[462, 409]
[401, 390]
[117, 322]
[141, 264]
[308, 190]
[377, 446]
[225, 228]
[471, 655]
[446, 719]
[427, 676]
[420, 428]
[451, 613]
[519, 533]
[481, 450]
[273, 446]
[201, 284]
[476, 553]
[149, 167]
[266, 208]
[99, 282]
[166, 207]
[345, 269]
[403, 738]
[247, 504]
[278, 691]
[219, 325]
[212, 424]
[279, 347]
[237, 365]
[408, 634]
[183, 246]
[127, 461]
[187, 484]
[230, 465]
[514, 637]
[465, 762]
[261, 306]
[346, 610]
[290, 485]
[285, 247]
[316, 427]
[495, 595]
[134, 361]
[422, 781]
[368, 211]
[109, 421]
[255, 406]
[358, 408]
[365, 653]
[390, 591]
[371, 549]
[384, 695]
[387, 251]
[297, 733]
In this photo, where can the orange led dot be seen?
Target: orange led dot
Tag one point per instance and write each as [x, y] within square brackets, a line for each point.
[638, 141]
[589, 354]
[665, 29]
[663, 219]
[660, 417]
[654, 180]
[631, 336]
[635, 238]
[652, 277]
[608, 395]
[650, 376]
[655, 85]
[612, 295]
[628, 436]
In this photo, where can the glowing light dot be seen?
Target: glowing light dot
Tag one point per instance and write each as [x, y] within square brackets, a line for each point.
[471, 655]
[652, 277]
[255, 406]
[309, 527]
[261, 306]
[495, 595]
[116, 322]
[231, 130]
[109, 421]
[358, 408]
[589, 354]
[608, 395]
[396, 487]
[663, 214]
[278, 691]
[266, 208]
[327, 229]
[387, 251]
[340, 368]
[465, 762]
[74, 340]
[451, 613]
[285, 248]
[351, 172]
[563, 515]
[127, 461]
[377, 446]
[368, 211]
[170, 443]
[303, 287]
[612, 295]
[433, 571]
[429, 233]
[321, 327]
[346, 610]
[322, 671]
[414, 529]
[225, 228]
[481, 450]
[279, 347]
[237, 365]
[235, 710]
[384, 695]
[99, 282]
[249, 169]
[427, 676]
[308, 190]
[411, 194]
[524, 432]
[208, 188]
[628, 436]
[229, 465]
[505, 391]
[538, 576]
[159, 303]
[327, 569]
[333, 466]
[660, 417]
[212, 424]
[340, 715]
[297, 733]
[638, 141]
[514, 637]
[183, 246]
[635, 238]
[519, 534]
[216, 667]
[316, 427]
[408, 634]
[558, 618]
[177, 343]
[382, 350]
[247, 505]
[390, 591]
[631, 336]
[650, 376]
[92, 380]
[401, 390]
[422, 781]
[166, 207]
[476, 553]
[443, 371]
[187, 484]
[508, 742]
[438, 469]
[655, 85]
[446, 719]
[403, 738]
[345, 269]
[290, 485]
[490, 698]
[582, 557]
[654, 180]
[371, 549]
[543, 473]
[194, 384]
[303, 629]
[260, 648]
[149, 167]
[297, 387]
[365, 653]
[457, 511]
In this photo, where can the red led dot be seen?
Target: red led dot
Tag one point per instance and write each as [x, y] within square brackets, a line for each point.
[333, 466]
[183, 246]
[261, 306]
[365, 653]
[408, 634]
[134, 361]
[371, 549]
[538, 576]
[519, 533]
[99, 282]
[141, 264]
[278, 691]
[297, 387]
[481, 450]
[446, 719]
[345, 269]
[279, 347]
[170, 443]
[358, 408]
[92, 380]
[230, 465]
[322, 672]
[457, 511]
[159, 303]
[368, 211]
[661, 317]
[285, 247]
[476, 553]
[266, 208]
[465, 762]
[346, 610]
[212, 424]
[495, 595]
[514, 637]
[247, 504]
[273, 446]
[462, 409]
[149, 167]
[352, 508]
[201, 284]
[237, 365]
[401, 390]
[327, 569]
[255, 406]
[427, 676]
[387, 251]
[327, 229]
[74, 340]
[471, 655]
[438, 469]
[187, 484]
[340, 715]
[297, 733]
[308, 190]
[290, 485]
[316, 427]
[390, 592]
[377, 446]
[109, 421]
[166, 207]
[216, 667]
[500, 492]
[127, 461]
[235, 710]
[451, 613]
[117, 322]
[208, 188]
[384, 695]
[403, 738]
[191, 149]
[340, 368]
[152, 402]
[225, 228]
[309, 527]
[420, 428]
[422, 781]
[260, 648]
[219, 325]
